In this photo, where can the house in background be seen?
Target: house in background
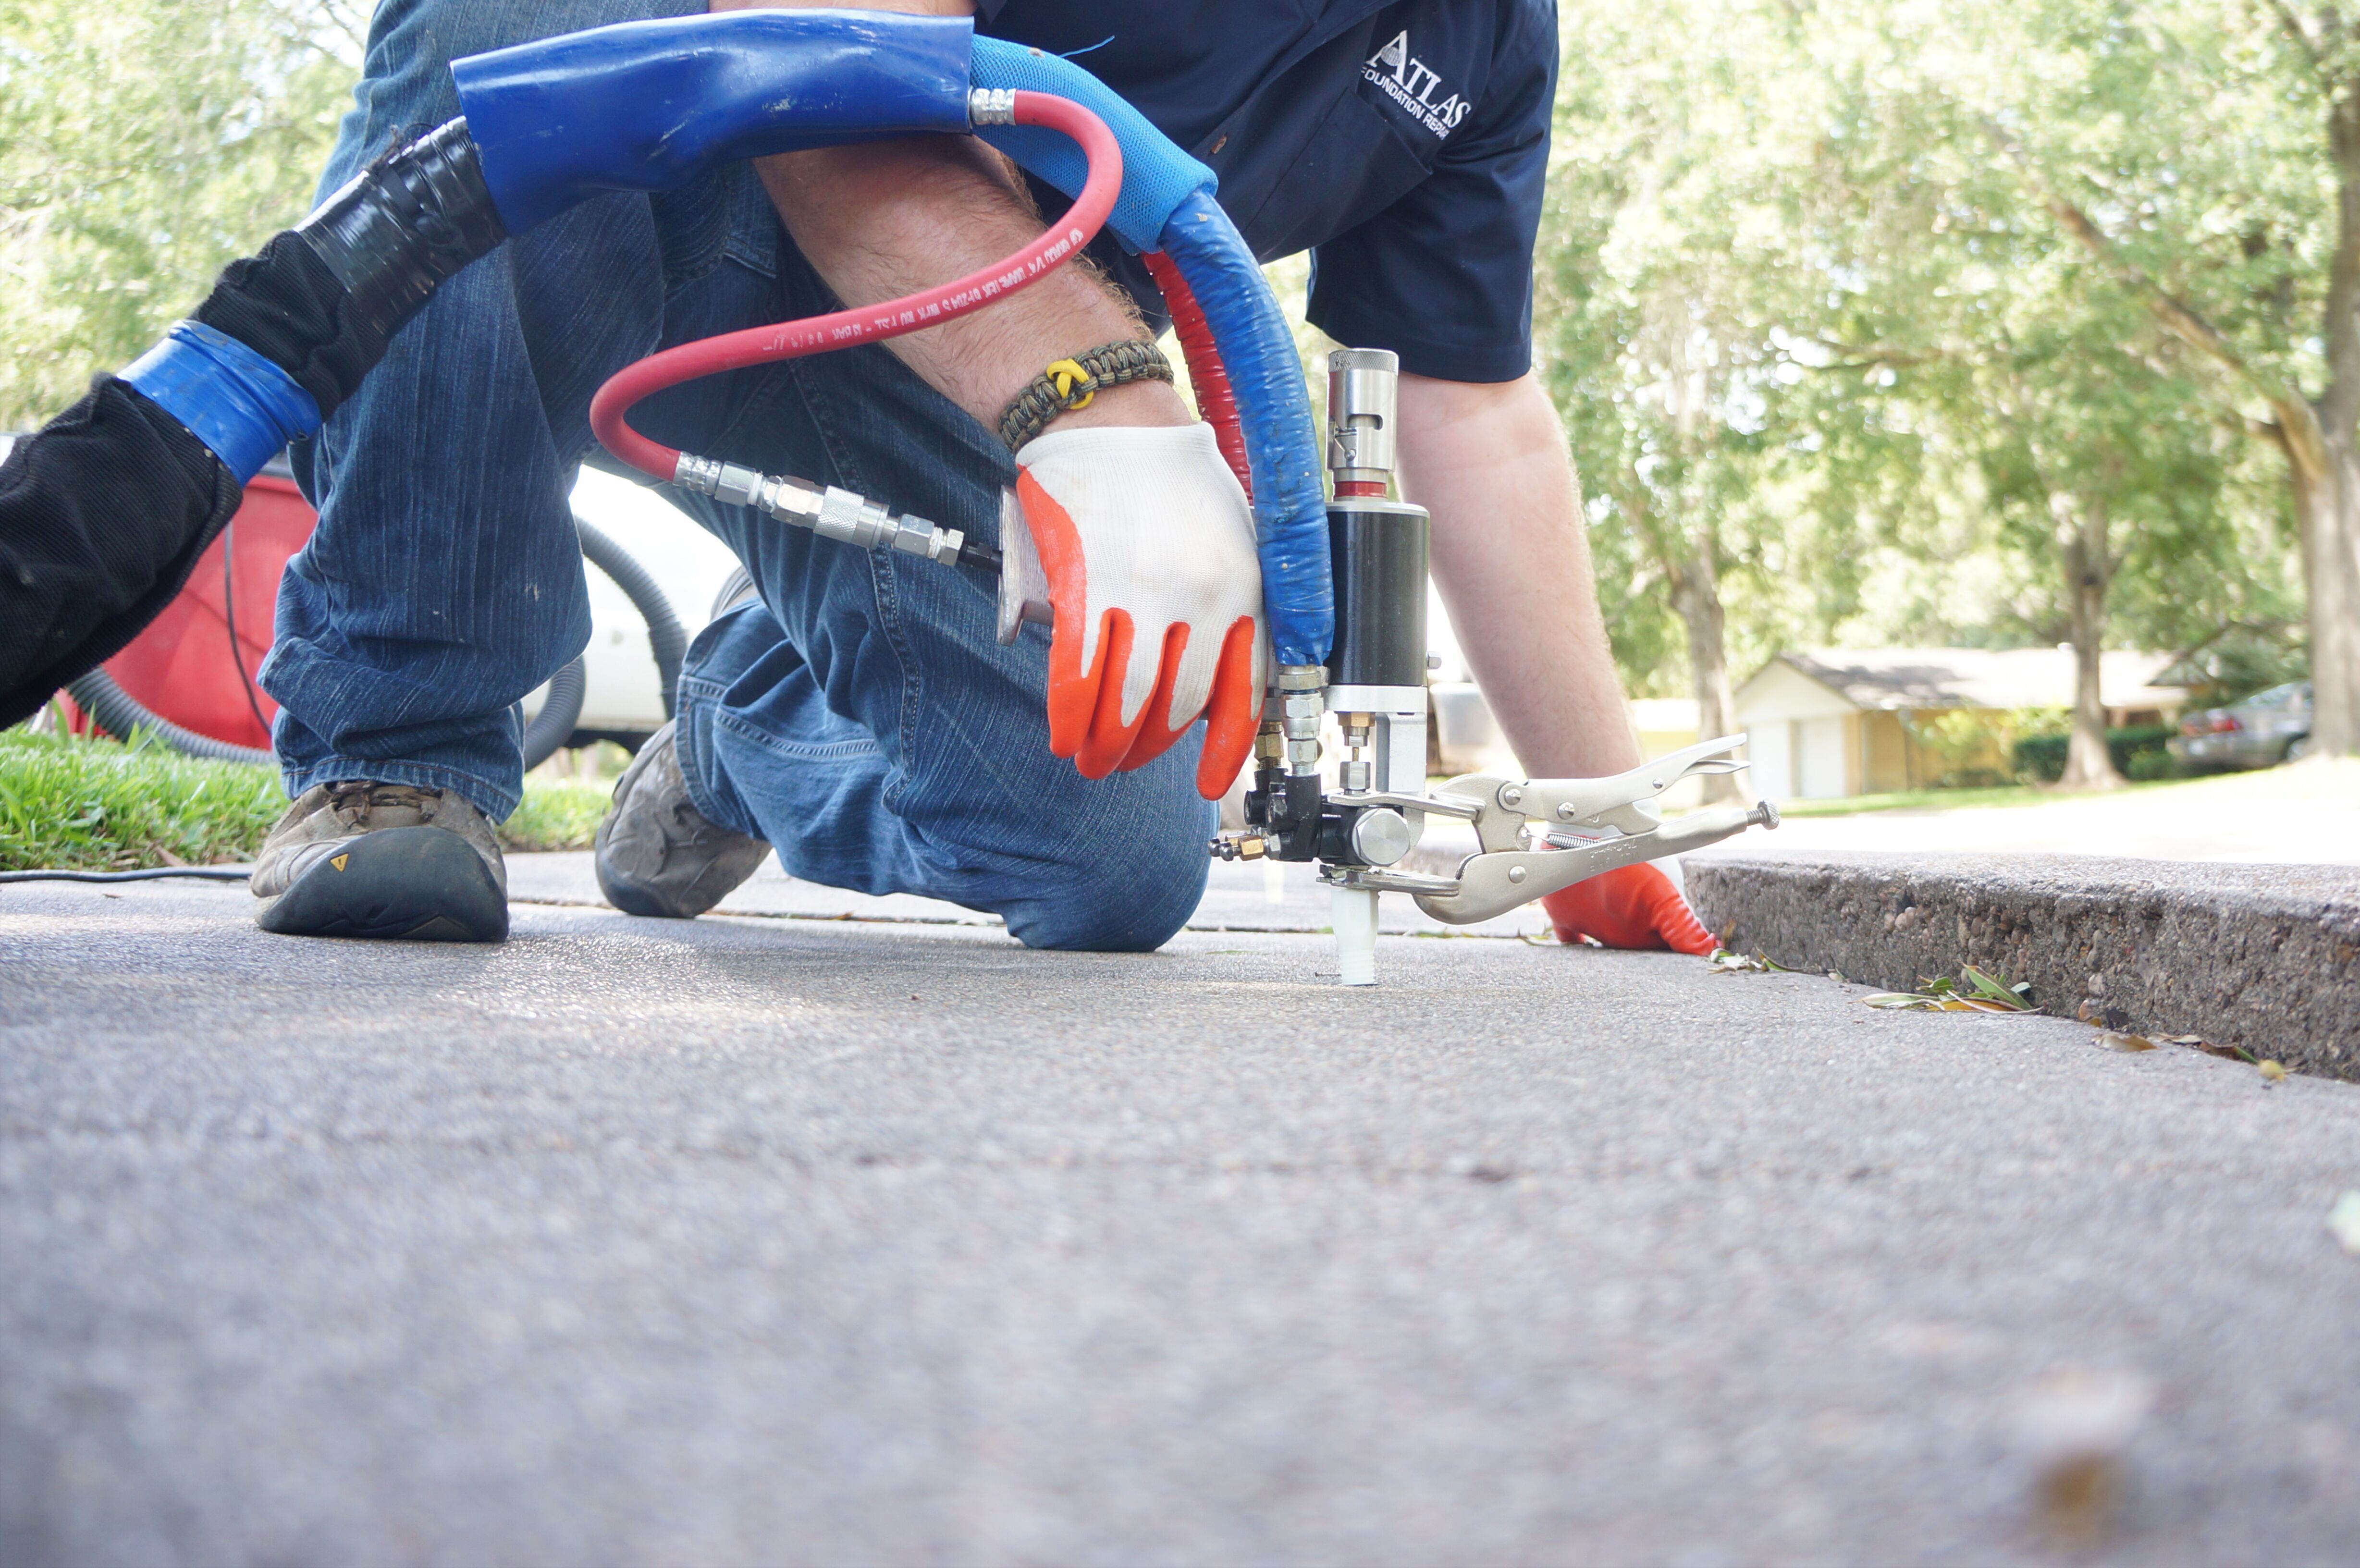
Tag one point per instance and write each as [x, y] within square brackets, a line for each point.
[1836, 722]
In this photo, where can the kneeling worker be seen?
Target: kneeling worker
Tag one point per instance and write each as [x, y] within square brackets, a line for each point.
[856, 713]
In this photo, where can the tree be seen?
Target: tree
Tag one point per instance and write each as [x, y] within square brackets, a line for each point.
[143, 145]
[1675, 253]
[2206, 154]
[1829, 365]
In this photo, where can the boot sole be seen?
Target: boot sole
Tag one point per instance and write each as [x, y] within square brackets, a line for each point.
[416, 883]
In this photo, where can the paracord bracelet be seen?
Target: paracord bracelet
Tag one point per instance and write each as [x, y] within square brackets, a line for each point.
[1072, 383]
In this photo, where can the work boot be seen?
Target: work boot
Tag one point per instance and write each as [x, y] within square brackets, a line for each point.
[657, 854]
[359, 858]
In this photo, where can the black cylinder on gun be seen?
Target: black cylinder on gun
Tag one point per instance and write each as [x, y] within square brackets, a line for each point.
[1377, 560]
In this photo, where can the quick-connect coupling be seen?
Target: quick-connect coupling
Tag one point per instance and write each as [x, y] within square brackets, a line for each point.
[828, 511]
[1296, 702]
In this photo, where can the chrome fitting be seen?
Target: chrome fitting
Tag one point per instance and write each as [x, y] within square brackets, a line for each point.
[728, 483]
[1363, 391]
[991, 106]
[1299, 714]
[792, 500]
[832, 513]
[1301, 677]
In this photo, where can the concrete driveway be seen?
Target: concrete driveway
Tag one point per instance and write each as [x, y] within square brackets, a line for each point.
[788, 1241]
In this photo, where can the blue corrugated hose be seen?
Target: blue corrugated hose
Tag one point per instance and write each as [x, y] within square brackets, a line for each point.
[1167, 204]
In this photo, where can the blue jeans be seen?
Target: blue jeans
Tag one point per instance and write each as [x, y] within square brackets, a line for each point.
[862, 717]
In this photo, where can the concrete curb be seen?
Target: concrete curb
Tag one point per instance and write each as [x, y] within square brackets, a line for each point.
[2266, 957]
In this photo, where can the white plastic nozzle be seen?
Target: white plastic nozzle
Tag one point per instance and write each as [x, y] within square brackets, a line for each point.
[1355, 917]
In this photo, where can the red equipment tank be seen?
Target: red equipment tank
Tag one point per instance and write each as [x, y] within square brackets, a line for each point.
[181, 666]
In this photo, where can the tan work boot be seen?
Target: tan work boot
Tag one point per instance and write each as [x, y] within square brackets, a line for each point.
[658, 854]
[360, 858]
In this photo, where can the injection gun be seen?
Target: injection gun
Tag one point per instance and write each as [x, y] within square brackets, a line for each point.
[1533, 837]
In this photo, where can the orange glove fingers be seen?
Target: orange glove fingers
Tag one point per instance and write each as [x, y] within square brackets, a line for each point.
[1073, 690]
[1632, 907]
[1679, 928]
[1154, 739]
[1102, 750]
[1232, 715]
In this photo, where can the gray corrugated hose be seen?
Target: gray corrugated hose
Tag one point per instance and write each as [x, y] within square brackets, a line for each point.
[119, 713]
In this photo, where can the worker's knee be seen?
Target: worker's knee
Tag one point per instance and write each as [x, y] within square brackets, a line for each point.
[1130, 893]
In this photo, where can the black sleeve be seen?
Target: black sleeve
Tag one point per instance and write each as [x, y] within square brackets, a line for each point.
[105, 512]
[1444, 276]
[102, 515]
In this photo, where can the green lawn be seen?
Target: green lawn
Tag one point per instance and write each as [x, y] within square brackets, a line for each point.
[1953, 800]
[96, 806]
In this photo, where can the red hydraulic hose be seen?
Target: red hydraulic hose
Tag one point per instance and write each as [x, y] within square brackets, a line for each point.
[1206, 372]
[873, 323]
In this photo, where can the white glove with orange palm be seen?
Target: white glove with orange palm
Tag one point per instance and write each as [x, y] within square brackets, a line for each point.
[1147, 542]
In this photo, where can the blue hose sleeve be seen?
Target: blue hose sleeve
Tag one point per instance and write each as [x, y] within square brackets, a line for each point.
[650, 106]
[1283, 449]
[239, 404]
[1156, 174]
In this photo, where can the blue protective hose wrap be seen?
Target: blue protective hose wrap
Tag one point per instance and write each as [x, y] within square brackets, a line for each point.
[650, 106]
[1167, 204]
[1282, 449]
[239, 404]
[1156, 174]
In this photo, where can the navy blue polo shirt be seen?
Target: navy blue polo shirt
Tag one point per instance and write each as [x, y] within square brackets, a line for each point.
[1405, 145]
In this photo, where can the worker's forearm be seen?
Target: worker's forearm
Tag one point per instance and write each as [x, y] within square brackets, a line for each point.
[1512, 559]
[883, 218]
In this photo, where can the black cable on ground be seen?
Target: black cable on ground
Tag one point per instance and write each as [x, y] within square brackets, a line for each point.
[560, 712]
[666, 640]
[156, 874]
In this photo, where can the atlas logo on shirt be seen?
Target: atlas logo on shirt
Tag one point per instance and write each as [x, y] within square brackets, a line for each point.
[1406, 80]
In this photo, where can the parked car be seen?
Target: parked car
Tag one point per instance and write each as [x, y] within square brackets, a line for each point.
[2265, 729]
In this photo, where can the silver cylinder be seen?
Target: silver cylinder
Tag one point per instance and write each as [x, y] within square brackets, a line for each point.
[1364, 388]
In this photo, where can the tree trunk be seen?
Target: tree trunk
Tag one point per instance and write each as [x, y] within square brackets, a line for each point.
[1696, 595]
[2331, 527]
[2087, 764]
[2324, 473]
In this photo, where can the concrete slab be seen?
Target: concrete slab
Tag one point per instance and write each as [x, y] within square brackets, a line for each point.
[783, 1241]
[1262, 897]
[2263, 957]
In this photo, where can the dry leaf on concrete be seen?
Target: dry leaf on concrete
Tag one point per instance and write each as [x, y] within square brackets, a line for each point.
[2113, 1040]
[2074, 1426]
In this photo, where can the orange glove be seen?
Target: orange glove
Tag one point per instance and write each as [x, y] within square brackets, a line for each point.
[1148, 545]
[1631, 907]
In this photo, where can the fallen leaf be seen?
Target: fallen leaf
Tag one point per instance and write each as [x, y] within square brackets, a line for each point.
[2010, 997]
[2113, 1040]
[2074, 1426]
[2273, 1072]
[2343, 1219]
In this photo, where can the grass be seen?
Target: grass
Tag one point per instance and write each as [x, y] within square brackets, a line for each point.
[556, 813]
[1953, 800]
[92, 805]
